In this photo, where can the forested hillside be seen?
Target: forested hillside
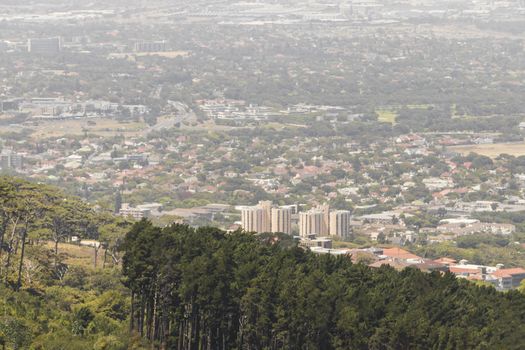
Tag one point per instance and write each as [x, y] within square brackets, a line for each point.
[55, 295]
[204, 289]
[32, 214]
[183, 288]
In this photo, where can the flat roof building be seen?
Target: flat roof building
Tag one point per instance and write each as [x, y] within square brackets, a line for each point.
[266, 206]
[281, 220]
[11, 160]
[265, 217]
[311, 222]
[325, 224]
[252, 219]
[340, 223]
[151, 46]
[45, 46]
[135, 213]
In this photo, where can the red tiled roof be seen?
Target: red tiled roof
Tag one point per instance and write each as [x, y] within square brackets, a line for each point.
[509, 272]
[399, 253]
[475, 278]
[446, 261]
[462, 270]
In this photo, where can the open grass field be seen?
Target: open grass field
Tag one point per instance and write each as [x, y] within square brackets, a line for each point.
[386, 116]
[78, 255]
[493, 150]
[420, 106]
[165, 54]
[130, 56]
[208, 125]
[99, 126]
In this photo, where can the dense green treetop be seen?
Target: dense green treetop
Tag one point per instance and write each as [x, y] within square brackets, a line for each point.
[203, 288]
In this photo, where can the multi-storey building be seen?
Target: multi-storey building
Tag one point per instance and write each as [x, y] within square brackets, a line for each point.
[340, 223]
[11, 160]
[265, 217]
[44, 46]
[133, 212]
[266, 206]
[252, 219]
[311, 223]
[281, 220]
[151, 46]
[325, 224]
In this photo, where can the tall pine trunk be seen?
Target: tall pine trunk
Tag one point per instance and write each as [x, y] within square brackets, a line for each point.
[180, 340]
[132, 318]
[56, 252]
[105, 258]
[96, 255]
[3, 229]
[10, 251]
[21, 265]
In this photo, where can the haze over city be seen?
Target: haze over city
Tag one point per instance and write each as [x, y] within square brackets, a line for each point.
[267, 174]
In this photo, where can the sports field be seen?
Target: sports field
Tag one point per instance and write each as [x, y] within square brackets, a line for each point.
[98, 126]
[386, 116]
[492, 150]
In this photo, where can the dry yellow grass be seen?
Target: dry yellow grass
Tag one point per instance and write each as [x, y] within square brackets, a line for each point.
[386, 116]
[166, 54]
[208, 125]
[78, 255]
[102, 126]
[492, 150]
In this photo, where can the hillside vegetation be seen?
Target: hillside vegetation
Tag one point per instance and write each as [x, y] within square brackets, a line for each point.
[183, 288]
[204, 289]
[56, 295]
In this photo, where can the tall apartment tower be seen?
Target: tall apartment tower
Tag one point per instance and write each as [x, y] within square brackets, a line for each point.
[340, 223]
[252, 219]
[325, 225]
[266, 206]
[311, 222]
[281, 220]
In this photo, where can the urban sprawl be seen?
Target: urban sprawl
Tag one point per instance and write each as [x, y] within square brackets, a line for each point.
[320, 121]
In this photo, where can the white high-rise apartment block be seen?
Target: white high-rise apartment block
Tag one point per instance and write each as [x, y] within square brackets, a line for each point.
[252, 219]
[282, 220]
[325, 224]
[266, 206]
[264, 217]
[340, 223]
[311, 223]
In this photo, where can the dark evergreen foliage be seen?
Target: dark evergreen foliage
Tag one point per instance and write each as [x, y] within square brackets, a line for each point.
[205, 289]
